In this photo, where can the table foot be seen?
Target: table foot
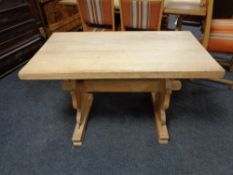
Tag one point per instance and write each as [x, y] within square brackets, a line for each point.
[81, 119]
[162, 131]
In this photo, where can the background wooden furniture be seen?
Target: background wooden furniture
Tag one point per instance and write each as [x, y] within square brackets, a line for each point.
[203, 10]
[74, 2]
[121, 62]
[141, 15]
[184, 7]
[20, 36]
[59, 16]
[97, 15]
[68, 2]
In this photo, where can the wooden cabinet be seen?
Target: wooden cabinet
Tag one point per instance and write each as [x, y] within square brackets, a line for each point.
[20, 36]
[59, 17]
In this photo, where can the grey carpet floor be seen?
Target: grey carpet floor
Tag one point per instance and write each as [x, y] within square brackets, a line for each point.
[37, 121]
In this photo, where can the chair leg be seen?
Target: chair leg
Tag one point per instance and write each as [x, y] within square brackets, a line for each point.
[231, 65]
[224, 81]
[223, 62]
[178, 23]
[226, 63]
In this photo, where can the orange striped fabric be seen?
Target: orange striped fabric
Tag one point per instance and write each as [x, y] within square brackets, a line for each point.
[221, 36]
[221, 42]
[97, 12]
[141, 14]
[222, 25]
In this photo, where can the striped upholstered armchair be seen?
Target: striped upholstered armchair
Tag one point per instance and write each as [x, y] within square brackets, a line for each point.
[221, 37]
[221, 41]
[97, 15]
[141, 14]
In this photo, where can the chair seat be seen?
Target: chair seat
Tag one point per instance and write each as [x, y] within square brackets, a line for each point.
[221, 41]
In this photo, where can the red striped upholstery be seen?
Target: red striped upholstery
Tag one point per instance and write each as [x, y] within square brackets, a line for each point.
[96, 12]
[141, 14]
[221, 36]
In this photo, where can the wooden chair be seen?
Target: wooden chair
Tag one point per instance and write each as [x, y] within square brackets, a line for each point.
[217, 36]
[221, 40]
[97, 15]
[141, 14]
[203, 21]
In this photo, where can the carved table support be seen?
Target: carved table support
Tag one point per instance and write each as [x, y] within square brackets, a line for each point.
[82, 102]
[161, 90]
[161, 101]
[81, 118]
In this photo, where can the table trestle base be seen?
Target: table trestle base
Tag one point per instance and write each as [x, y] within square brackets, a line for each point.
[81, 93]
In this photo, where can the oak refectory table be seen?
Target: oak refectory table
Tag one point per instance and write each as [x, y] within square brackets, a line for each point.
[89, 62]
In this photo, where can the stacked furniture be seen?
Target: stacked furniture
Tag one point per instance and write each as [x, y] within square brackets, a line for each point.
[20, 36]
[190, 13]
[58, 16]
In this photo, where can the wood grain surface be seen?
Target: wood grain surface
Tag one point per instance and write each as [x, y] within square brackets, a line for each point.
[121, 55]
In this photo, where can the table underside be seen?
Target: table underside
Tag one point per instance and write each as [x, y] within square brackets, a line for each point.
[82, 98]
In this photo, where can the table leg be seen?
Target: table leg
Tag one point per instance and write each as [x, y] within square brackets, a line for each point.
[81, 118]
[74, 99]
[70, 86]
[81, 101]
[161, 101]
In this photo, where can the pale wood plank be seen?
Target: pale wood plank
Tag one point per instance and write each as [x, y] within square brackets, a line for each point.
[124, 85]
[122, 55]
[195, 2]
[208, 19]
[185, 8]
[68, 2]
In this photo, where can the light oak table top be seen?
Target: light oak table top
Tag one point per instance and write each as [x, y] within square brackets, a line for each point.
[121, 55]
